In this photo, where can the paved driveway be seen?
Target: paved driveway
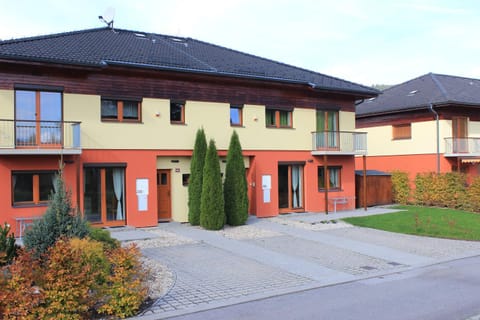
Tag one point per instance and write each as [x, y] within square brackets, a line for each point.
[284, 254]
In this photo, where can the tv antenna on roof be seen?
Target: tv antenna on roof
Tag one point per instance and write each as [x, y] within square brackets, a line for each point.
[107, 17]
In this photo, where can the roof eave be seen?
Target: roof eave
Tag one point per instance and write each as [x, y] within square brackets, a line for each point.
[356, 93]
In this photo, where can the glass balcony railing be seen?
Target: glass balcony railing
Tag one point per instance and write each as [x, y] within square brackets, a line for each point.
[339, 142]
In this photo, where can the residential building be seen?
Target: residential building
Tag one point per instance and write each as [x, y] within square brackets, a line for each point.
[120, 110]
[427, 124]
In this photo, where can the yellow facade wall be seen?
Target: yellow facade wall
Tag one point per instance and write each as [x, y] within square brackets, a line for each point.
[7, 134]
[423, 141]
[156, 132]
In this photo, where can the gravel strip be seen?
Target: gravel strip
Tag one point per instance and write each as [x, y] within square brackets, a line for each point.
[317, 225]
[247, 232]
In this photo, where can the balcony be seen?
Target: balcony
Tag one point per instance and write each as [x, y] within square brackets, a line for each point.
[462, 147]
[39, 137]
[339, 143]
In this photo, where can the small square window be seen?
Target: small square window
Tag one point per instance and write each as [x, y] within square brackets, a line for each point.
[185, 179]
[334, 177]
[177, 112]
[236, 115]
[402, 131]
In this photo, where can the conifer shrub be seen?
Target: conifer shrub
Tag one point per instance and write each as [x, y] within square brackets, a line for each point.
[8, 248]
[60, 220]
[471, 201]
[196, 177]
[212, 209]
[235, 187]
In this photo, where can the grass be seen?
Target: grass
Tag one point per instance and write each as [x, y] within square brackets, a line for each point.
[425, 221]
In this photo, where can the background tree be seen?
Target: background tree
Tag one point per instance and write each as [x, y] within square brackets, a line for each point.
[196, 177]
[235, 186]
[212, 211]
[60, 220]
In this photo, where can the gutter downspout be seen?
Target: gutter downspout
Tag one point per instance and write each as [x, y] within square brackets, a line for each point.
[438, 135]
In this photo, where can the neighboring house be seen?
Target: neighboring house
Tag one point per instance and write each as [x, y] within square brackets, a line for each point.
[428, 124]
[121, 108]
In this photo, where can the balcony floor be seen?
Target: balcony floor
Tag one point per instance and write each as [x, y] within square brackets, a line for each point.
[39, 151]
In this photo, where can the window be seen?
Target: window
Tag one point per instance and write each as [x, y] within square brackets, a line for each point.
[402, 131]
[120, 110]
[278, 118]
[32, 187]
[236, 116]
[38, 116]
[327, 135]
[334, 175]
[177, 112]
[104, 194]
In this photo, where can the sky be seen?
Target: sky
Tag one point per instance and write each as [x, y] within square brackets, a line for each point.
[364, 41]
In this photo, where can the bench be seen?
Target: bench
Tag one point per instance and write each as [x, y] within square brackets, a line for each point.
[21, 223]
[339, 200]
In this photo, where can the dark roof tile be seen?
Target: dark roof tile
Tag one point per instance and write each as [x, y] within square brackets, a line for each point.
[97, 47]
[418, 93]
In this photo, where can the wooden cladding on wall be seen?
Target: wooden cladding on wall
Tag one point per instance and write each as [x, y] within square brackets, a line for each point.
[116, 81]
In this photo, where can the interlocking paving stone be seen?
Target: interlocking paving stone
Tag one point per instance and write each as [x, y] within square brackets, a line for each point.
[206, 274]
[323, 254]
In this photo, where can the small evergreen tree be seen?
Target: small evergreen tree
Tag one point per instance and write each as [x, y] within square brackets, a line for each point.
[212, 211]
[196, 178]
[60, 220]
[8, 248]
[235, 188]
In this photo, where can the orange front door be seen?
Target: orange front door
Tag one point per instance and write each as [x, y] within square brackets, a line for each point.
[164, 195]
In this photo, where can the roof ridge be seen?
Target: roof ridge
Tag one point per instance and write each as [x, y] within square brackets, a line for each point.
[50, 36]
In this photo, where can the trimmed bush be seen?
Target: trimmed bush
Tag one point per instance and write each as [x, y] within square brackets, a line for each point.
[196, 178]
[68, 281]
[18, 298]
[471, 201]
[401, 187]
[126, 288]
[8, 248]
[212, 210]
[235, 188]
[60, 220]
[442, 190]
[103, 236]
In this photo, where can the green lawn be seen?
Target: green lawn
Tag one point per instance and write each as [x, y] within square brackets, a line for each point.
[425, 221]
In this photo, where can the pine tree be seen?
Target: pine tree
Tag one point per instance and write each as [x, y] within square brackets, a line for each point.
[212, 211]
[235, 186]
[60, 220]
[196, 177]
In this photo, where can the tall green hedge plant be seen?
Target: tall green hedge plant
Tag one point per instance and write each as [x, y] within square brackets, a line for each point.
[212, 210]
[235, 186]
[196, 177]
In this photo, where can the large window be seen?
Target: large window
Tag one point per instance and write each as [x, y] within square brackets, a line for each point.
[236, 116]
[334, 178]
[177, 112]
[327, 136]
[104, 194]
[38, 116]
[121, 110]
[402, 131]
[32, 187]
[278, 118]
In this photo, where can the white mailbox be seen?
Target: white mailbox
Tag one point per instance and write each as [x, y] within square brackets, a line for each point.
[142, 194]
[266, 187]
